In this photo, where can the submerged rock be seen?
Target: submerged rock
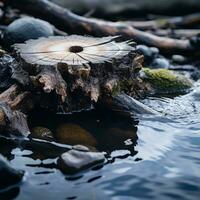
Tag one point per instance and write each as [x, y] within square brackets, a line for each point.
[117, 138]
[42, 133]
[27, 28]
[122, 135]
[164, 81]
[9, 175]
[74, 134]
[79, 158]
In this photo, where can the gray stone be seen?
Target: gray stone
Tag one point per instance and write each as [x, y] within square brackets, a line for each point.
[160, 63]
[78, 159]
[154, 51]
[80, 148]
[179, 59]
[142, 49]
[27, 28]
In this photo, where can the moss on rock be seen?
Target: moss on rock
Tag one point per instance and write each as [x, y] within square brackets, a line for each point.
[42, 133]
[165, 81]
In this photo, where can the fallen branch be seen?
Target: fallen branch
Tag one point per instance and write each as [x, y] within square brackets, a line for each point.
[13, 104]
[177, 33]
[173, 22]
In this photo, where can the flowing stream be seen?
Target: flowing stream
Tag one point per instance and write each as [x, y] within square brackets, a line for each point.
[161, 161]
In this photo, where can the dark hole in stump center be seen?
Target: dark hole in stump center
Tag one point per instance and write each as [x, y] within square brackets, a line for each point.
[75, 49]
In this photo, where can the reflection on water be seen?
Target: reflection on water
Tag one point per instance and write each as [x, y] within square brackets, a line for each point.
[155, 158]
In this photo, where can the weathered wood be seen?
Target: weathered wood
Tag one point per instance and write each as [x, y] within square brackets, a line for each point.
[73, 72]
[17, 99]
[187, 21]
[70, 22]
[177, 33]
[13, 121]
[11, 71]
[51, 80]
[13, 104]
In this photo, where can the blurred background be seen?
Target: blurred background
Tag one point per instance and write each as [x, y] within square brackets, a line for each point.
[130, 8]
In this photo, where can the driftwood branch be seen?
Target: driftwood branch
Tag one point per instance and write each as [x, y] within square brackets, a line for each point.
[13, 104]
[177, 33]
[70, 22]
[173, 22]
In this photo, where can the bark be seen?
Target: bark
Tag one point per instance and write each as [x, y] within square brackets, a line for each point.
[177, 33]
[50, 79]
[161, 23]
[13, 104]
[66, 89]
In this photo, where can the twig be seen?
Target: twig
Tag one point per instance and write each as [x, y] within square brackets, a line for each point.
[173, 22]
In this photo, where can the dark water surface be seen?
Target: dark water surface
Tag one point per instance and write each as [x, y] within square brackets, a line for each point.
[162, 163]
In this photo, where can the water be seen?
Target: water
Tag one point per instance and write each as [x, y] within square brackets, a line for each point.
[161, 161]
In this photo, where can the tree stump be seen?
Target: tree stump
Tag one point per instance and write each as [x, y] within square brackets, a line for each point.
[73, 72]
[67, 74]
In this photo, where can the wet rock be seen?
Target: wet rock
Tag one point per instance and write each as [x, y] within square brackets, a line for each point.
[79, 147]
[154, 51]
[74, 134]
[195, 75]
[11, 72]
[179, 59]
[144, 50]
[42, 133]
[10, 193]
[148, 52]
[164, 81]
[9, 175]
[26, 28]
[5, 72]
[160, 63]
[183, 67]
[79, 158]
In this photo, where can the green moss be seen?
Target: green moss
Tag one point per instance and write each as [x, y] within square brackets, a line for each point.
[116, 90]
[126, 84]
[123, 85]
[165, 81]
